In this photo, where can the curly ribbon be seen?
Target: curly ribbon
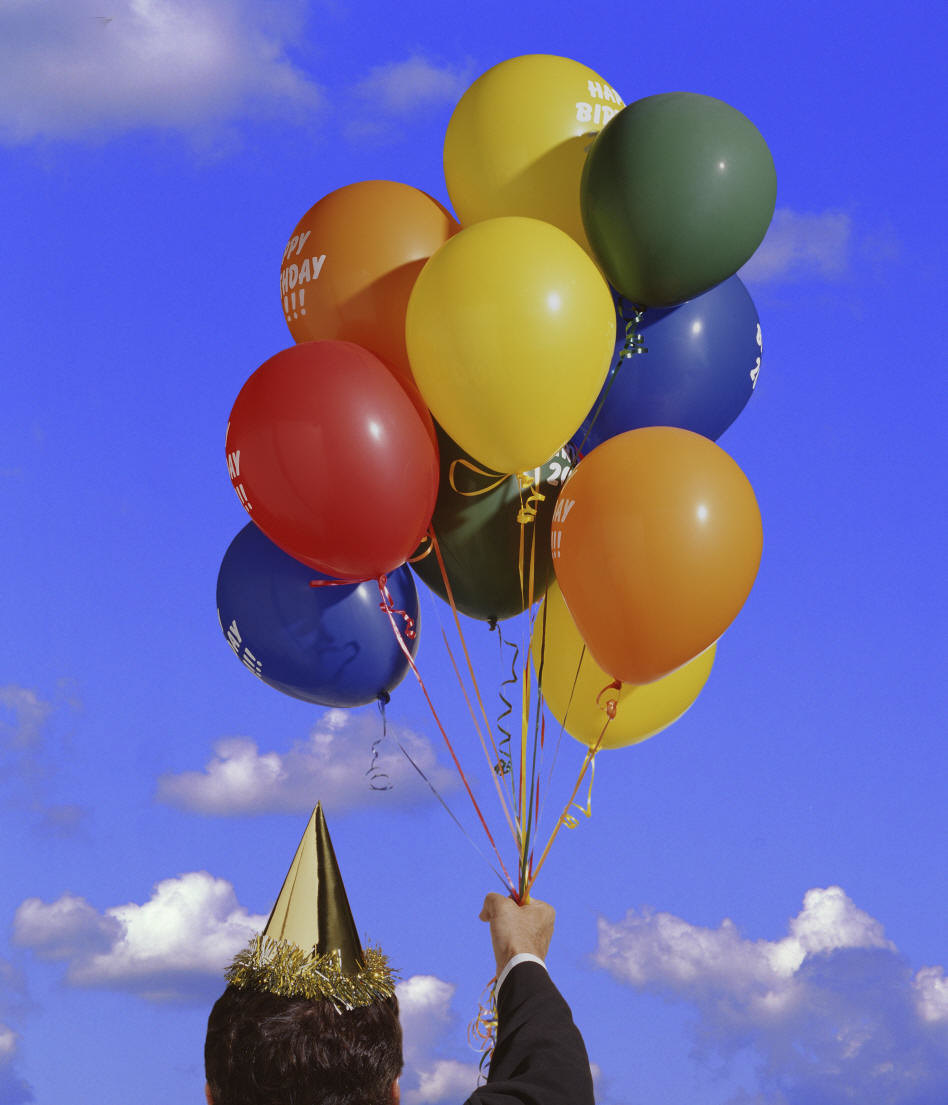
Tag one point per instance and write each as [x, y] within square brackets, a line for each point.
[434, 790]
[504, 765]
[482, 1031]
[634, 344]
[526, 516]
[570, 820]
[388, 607]
[609, 708]
[495, 479]
[470, 667]
[387, 604]
[528, 509]
[374, 772]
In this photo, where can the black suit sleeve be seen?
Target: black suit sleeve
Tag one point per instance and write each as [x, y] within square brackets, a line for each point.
[539, 1057]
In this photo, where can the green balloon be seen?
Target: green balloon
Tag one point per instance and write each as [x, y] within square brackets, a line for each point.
[475, 522]
[677, 192]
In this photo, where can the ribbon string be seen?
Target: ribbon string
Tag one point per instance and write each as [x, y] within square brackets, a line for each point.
[610, 708]
[434, 790]
[467, 786]
[477, 692]
[495, 478]
[521, 771]
[374, 772]
[388, 605]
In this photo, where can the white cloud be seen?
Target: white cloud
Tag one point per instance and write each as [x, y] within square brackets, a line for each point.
[68, 928]
[800, 245]
[22, 715]
[334, 765]
[8, 1040]
[63, 820]
[32, 752]
[403, 87]
[66, 71]
[424, 1004]
[446, 1080]
[931, 994]
[175, 945]
[831, 1010]
[394, 93]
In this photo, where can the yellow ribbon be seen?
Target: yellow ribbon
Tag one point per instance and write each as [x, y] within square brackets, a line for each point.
[527, 515]
[569, 820]
[478, 471]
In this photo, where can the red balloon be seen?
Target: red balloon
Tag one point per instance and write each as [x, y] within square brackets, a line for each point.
[333, 459]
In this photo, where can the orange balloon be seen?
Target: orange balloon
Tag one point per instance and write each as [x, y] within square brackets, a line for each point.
[351, 263]
[656, 542]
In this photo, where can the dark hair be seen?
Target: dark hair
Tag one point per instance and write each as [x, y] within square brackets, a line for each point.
[267, 1050]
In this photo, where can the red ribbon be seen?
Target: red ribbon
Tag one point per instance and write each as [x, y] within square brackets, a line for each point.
[388, 605]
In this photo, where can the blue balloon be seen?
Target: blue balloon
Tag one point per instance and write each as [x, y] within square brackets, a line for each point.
[697, 369]
[330, 645]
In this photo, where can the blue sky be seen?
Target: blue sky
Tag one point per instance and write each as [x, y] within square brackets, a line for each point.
[754, 913]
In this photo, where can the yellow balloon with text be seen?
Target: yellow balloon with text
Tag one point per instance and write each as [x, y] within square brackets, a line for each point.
[517, 141]
[572, 681]
[510, 331]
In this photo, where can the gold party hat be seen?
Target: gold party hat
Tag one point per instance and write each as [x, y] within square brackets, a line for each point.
[310, 947]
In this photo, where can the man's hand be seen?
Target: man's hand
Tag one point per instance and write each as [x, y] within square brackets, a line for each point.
[518, 928]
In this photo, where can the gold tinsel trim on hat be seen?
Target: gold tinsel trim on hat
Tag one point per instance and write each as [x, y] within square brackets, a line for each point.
[281, 968]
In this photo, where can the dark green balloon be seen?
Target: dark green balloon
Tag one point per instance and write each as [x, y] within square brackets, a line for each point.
[479, 535]
[677, 192]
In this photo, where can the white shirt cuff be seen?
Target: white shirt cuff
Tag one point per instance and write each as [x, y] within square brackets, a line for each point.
[520, 957]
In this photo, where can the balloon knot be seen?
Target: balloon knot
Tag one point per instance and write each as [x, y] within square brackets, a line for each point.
[611, 704]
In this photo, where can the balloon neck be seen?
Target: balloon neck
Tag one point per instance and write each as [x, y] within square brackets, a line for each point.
[612, 702]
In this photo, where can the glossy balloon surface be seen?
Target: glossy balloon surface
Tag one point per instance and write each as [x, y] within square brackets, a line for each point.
[656, 543]
[677, 193]
[333, 460]
[330, 645]
[694, 366]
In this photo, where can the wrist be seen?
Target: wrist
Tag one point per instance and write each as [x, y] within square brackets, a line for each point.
[513, 961]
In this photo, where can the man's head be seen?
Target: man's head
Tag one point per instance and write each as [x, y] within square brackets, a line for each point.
[262, 1049]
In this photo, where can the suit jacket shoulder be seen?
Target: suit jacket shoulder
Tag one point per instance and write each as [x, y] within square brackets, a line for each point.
[539, 1057]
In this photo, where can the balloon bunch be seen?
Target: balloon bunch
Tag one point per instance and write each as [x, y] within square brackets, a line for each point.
[522, 403]
[333, 454]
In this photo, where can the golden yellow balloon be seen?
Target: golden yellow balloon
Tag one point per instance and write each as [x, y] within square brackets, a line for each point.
[517, 141]
[510, 332]
[641, 710]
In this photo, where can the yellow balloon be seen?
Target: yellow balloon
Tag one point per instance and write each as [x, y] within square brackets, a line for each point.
[510, 332]
[517, 141]
[641, 710]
